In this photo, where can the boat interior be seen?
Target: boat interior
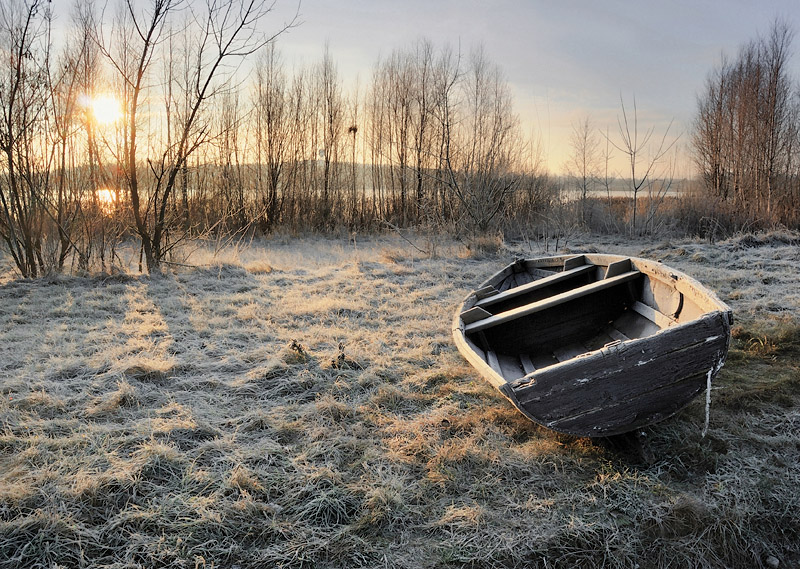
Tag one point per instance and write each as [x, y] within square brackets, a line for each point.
[531, 316]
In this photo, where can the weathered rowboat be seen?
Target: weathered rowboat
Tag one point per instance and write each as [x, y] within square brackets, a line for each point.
[594, 345]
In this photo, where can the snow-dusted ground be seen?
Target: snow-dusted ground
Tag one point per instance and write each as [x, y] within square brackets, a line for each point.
[300, 402]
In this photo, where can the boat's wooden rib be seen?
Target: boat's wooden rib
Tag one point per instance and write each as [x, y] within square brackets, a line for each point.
[475, 349]
[551, 302]
[601, 340]
[543, 360]
[494, 363]
[653, 315]
[527, 364]
[506, 284]
[510, 366]
[523, 278]
[616, 334]
[633, 325]
[591, 344]
[566, 353]
[662, 297]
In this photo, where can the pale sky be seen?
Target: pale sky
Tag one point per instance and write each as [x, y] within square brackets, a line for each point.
[565, 59]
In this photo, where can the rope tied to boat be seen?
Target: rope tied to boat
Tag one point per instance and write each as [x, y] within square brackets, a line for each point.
[711, 373]
[708, 402]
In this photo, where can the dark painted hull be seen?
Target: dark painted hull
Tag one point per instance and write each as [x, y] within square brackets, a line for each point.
[590, 350]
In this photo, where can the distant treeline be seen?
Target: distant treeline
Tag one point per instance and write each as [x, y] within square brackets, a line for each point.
[431, 142]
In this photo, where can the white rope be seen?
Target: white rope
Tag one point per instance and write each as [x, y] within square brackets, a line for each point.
[708, 402]
[713, 371]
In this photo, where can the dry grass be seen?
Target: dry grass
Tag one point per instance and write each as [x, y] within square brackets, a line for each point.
[300, 404]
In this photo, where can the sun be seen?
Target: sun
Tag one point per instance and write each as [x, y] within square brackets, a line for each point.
[104, 109]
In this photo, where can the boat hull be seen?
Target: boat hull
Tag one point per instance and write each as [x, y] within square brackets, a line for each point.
[616, 388]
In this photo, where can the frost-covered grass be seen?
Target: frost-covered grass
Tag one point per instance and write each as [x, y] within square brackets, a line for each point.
[300, 403]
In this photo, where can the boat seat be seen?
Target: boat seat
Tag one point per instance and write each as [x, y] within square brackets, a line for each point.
[534, 285]
[618, 268]
[551, 302]
[573, 262]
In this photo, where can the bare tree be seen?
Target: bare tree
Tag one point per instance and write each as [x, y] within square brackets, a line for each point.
[709, 132]
[482, 159]
[25, 155]
[272, 133]
[376, 103]
[83, 173]
[403, 127]
[352, 130]
[64, 88]
[331, 115]
[583, 161]
[230, 184]
[643, 153]
[746, 126]
[447, 73]
[397, 79]
[301, 156]
[608, 177]
[222, 35]
[423, 96]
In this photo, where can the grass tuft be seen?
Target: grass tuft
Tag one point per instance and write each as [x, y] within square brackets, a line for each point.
[483, 246]
[123, 396]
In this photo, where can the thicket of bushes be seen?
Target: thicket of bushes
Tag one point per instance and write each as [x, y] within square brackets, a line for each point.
[432, 142]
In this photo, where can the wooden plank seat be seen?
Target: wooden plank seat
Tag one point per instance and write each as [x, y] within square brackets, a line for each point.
[474, 314]
[550, 302]
[618, 268]
[534, 285]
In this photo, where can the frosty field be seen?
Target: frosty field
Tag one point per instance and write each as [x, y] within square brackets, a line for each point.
[300, 404]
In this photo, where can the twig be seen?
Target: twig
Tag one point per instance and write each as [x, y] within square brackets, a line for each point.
[397, 229]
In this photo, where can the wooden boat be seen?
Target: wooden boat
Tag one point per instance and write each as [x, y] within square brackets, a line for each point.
[594, 345]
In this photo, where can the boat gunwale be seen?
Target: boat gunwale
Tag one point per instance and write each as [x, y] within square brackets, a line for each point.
[668, 275]
[711, 307]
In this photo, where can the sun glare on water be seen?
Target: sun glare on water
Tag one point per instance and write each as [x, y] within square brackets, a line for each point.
[106, 199]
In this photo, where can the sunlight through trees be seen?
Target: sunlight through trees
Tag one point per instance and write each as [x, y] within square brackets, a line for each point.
[199, 128]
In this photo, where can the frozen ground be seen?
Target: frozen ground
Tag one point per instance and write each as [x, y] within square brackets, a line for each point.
[300, 403]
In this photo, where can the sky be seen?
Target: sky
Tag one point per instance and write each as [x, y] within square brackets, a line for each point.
[564, 59]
